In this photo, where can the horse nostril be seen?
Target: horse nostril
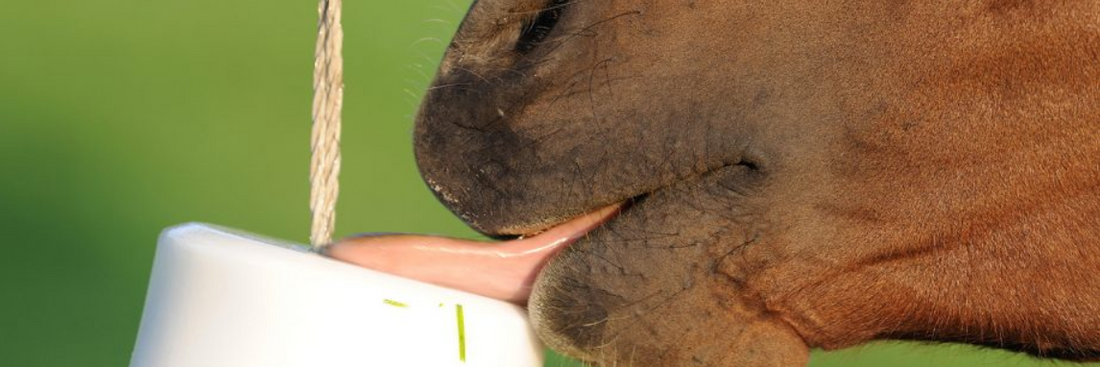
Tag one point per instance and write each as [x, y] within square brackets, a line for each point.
[537, 28]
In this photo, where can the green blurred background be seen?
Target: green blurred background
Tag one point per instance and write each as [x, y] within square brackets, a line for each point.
[119, 118]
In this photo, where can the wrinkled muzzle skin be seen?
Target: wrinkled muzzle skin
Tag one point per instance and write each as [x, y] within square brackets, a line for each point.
[798, 174]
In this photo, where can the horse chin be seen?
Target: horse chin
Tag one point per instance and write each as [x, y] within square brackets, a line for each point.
[651, 287]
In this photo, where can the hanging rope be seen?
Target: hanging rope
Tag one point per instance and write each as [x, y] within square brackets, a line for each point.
[328, 99]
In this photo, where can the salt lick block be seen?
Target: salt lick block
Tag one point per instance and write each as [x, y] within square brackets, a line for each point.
[220, 297]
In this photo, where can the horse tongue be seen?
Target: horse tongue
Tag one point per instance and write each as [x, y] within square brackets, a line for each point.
[504, 270]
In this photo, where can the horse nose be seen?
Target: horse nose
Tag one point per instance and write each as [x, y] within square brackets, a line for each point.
[498, 34]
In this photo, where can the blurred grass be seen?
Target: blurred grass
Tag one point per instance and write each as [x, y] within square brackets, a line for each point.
[119, 118]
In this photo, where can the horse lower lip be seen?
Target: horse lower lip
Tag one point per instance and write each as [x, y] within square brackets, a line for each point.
[503, 270]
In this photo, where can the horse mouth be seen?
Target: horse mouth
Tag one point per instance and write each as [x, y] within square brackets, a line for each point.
[589, 221]
[505, 270]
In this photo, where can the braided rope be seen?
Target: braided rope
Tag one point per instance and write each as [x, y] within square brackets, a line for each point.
[328, 96]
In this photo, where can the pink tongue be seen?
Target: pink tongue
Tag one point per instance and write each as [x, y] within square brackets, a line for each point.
[504, 271]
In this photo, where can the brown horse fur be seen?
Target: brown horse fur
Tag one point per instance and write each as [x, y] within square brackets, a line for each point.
[800, 173]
